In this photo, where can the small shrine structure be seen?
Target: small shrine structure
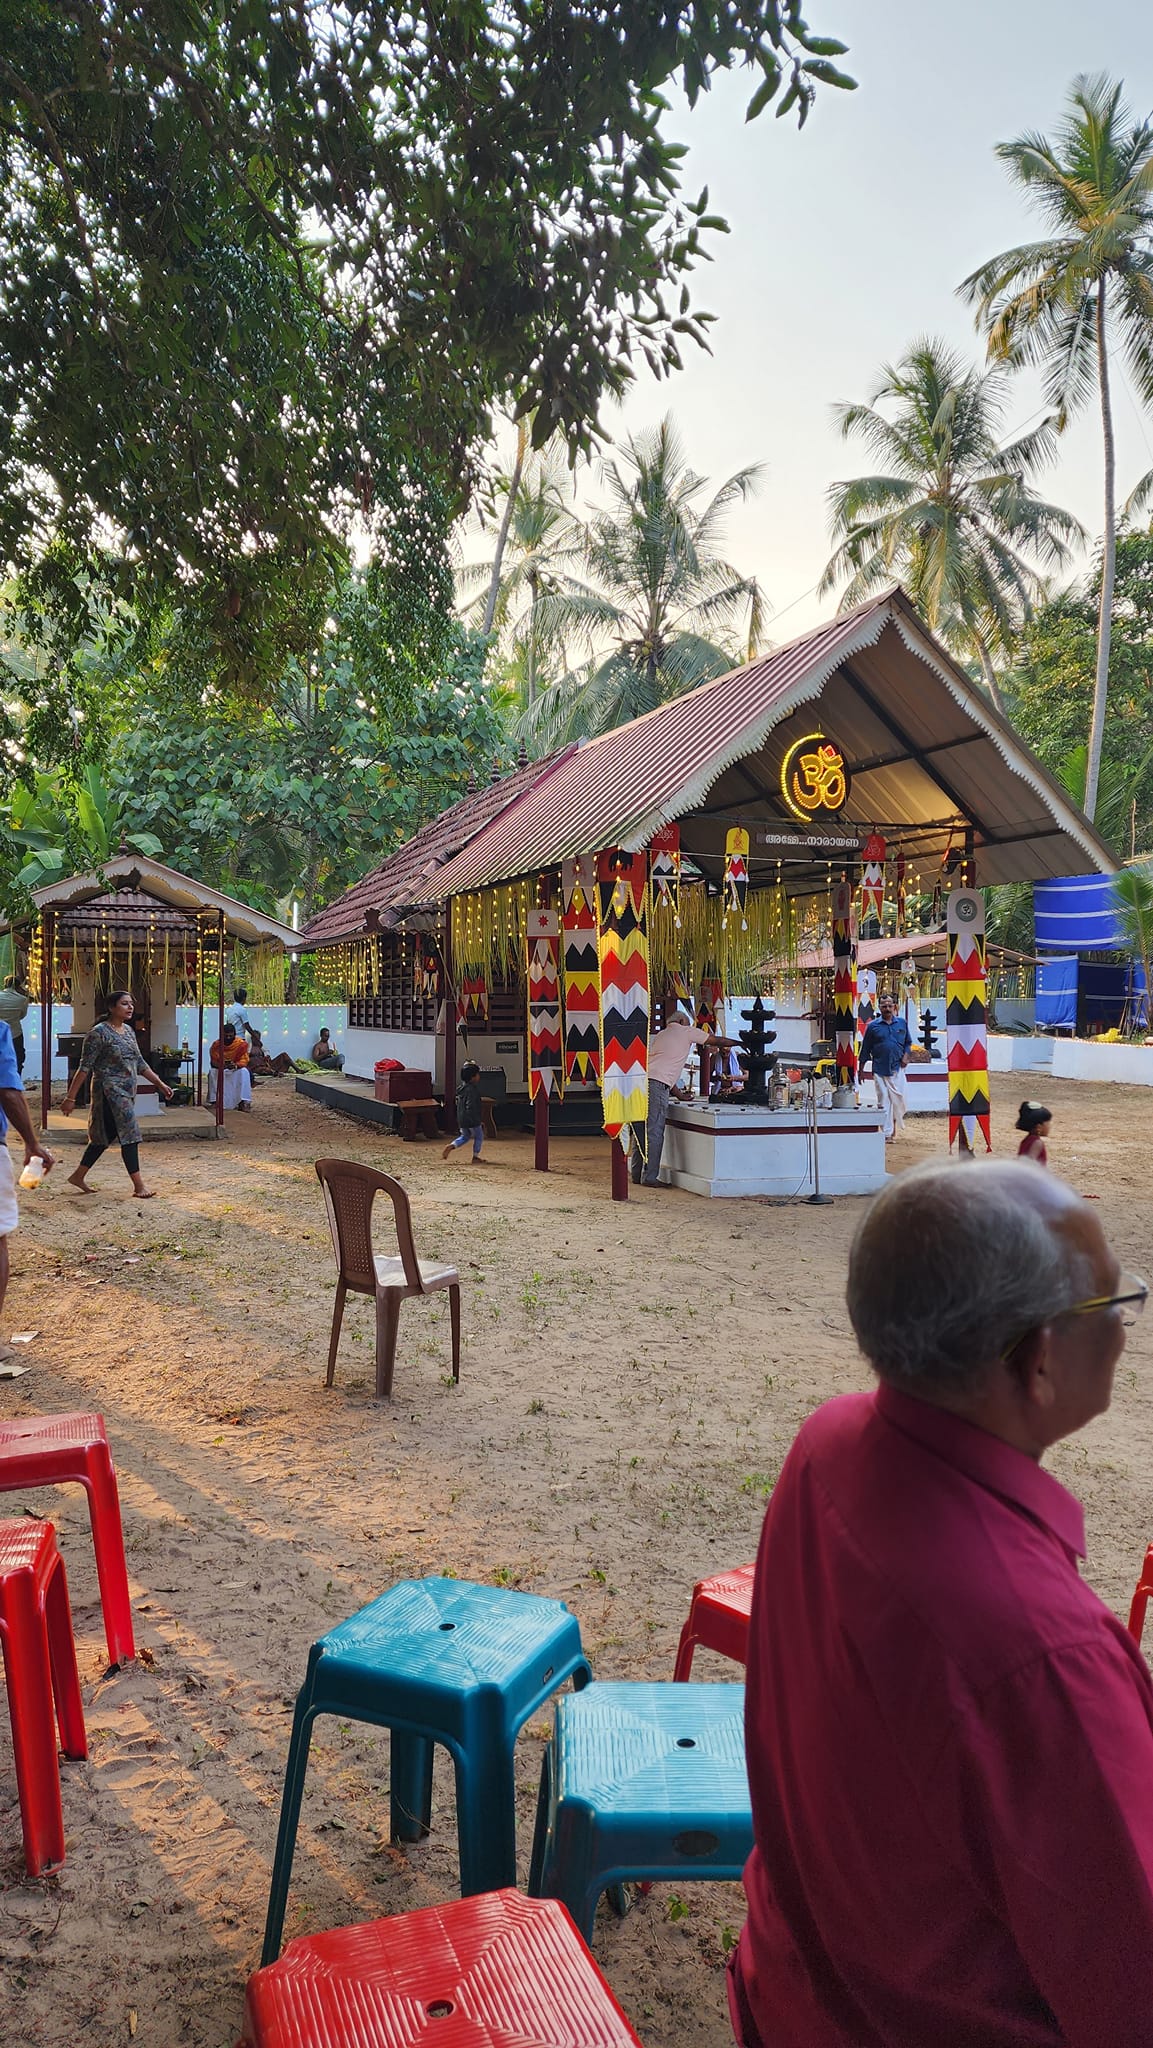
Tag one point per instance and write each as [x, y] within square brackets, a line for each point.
[135, 923]
[551, 916]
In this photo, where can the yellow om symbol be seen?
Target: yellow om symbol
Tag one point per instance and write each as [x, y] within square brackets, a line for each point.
[814, 780]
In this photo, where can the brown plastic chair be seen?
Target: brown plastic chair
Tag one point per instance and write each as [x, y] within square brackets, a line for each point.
[349, 1193]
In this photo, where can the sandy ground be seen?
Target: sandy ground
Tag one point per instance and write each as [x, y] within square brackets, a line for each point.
[632, 1378]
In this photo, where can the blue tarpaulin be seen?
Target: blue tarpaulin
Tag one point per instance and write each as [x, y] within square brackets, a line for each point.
[1057, 993]
[1076, 915]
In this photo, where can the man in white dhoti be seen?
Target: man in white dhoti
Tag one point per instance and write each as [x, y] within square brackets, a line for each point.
[885, 1047]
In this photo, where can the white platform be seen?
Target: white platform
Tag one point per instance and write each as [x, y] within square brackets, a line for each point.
[926, 1088]
[714, 1148]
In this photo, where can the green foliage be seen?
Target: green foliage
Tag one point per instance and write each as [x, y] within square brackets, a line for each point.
[1049, 692]
[540, 545]
[264, 269]
[1054, 302]
[951, 515]
[659, 591]
[58, 827]
[297, 800]
[1133, 904]
[1093, 187]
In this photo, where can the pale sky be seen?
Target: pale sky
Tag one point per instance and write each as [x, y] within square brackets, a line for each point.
[848, 241]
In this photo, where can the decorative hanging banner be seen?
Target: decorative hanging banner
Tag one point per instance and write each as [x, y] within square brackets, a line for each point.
[966, 1019]
[424, 977]
[710, 1006]
[582, 983]
[902, 900]
[873, 878]
[866, 1000]
[545, 1057]
[665, 870]
[472, 997]
[845, 984]
[679, 988]
[736, 874]
[622, 916]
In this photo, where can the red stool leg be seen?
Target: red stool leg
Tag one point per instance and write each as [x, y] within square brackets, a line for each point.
[108, 1542]
[62, 1660]
[33, 1725]
[687, 1645]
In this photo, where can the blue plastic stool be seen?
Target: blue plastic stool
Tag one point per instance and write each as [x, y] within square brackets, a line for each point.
[435, 1660]
[641, 1781]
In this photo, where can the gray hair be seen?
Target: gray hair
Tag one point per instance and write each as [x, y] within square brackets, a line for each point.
[954, 1264]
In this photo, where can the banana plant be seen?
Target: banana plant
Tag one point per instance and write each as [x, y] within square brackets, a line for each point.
[60, 825]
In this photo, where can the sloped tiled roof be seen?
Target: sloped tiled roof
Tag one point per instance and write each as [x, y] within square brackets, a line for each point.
[407, 876]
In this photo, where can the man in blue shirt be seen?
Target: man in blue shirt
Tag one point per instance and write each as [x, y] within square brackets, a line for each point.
[885, 1047]
[13, 1109]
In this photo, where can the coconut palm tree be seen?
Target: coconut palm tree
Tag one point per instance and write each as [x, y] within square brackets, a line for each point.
[1055, 302]
[539, 544]
[951, 515]
[671, 609]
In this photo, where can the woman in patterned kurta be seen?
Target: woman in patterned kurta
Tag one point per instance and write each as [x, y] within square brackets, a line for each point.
[113, 1058]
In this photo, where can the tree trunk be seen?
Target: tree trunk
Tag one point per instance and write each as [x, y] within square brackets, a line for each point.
[1108, 571]
[989, 673]
[506, 522]
[307, 902]
[534, 589]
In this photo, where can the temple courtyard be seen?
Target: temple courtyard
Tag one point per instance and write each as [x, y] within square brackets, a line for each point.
[632, 1377]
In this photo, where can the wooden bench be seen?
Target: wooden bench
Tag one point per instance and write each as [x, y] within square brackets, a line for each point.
[418, 1118]
[488, 1115]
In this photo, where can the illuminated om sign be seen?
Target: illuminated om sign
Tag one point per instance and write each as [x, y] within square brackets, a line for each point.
[813, 776]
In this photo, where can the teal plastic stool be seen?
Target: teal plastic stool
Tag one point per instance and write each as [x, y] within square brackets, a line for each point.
[435, 1660]
[641, 1781]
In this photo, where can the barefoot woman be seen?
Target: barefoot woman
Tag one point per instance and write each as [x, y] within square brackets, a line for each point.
[113, 1058]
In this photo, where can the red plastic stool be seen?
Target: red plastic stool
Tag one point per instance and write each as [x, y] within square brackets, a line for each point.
[496, 1968]
[718, 1618]
[40, 1666]
[1142, 1593]
[46, 1450]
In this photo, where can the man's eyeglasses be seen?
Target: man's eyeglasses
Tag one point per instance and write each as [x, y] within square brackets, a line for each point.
[1132, 1294]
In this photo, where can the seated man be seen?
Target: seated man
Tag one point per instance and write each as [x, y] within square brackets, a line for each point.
[325, 1054]
[229, 1055]
[950, 1738]
[259, 1061]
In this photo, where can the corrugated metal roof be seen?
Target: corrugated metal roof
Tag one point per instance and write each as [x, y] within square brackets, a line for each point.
[408, 874]
[939, 752]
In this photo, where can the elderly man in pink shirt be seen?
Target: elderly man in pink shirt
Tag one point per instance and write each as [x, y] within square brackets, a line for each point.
[950, 1738]
[668, 1051]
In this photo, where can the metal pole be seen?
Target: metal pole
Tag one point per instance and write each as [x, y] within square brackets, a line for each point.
[817, 1199]
[220, 1018]
[449, 1022]
[47, 942]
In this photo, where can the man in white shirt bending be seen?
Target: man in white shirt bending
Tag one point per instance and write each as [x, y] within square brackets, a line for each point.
[668, 1051]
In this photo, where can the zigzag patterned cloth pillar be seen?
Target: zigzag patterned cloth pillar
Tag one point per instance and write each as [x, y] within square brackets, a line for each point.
[582, 980]
[545, 1056]
[845, 984]
[622, 916]
[966, 1019]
